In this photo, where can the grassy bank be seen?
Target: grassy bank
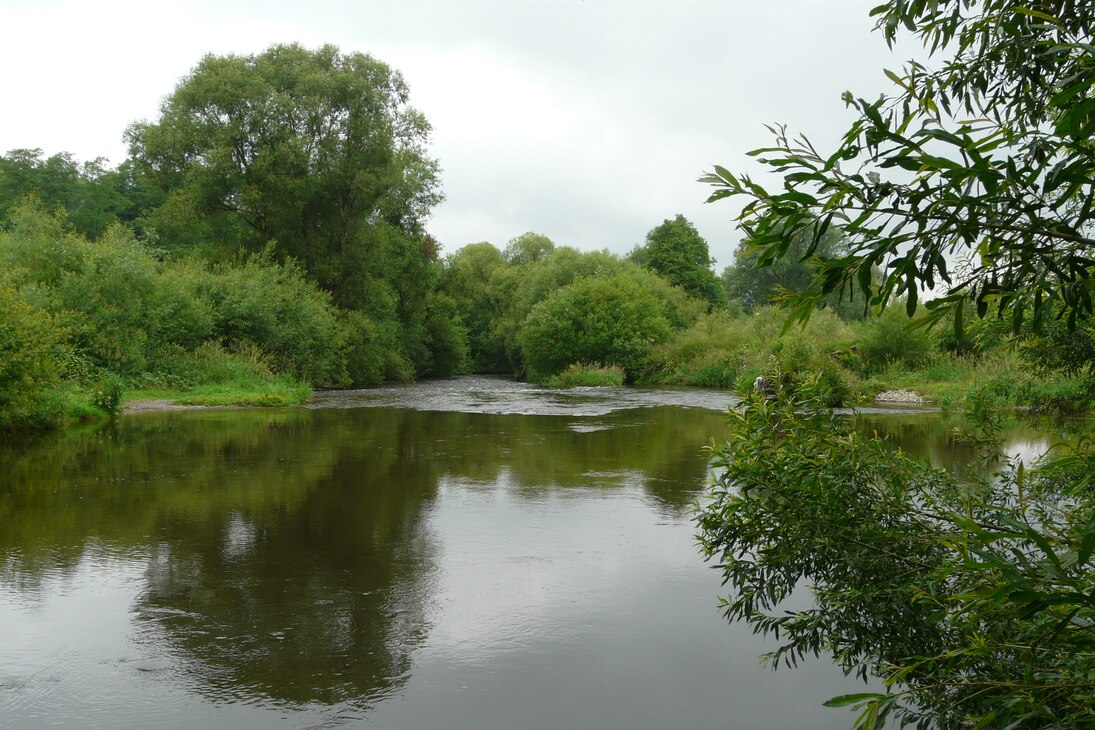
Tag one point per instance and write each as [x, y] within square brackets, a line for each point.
[271, 394]
[859, 360]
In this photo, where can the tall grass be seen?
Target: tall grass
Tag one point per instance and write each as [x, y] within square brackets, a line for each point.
[857, 361]
[586, 375]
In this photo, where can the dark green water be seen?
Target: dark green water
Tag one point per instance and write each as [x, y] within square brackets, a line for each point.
[465, 554]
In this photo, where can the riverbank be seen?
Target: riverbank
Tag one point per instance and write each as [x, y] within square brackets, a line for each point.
[218, 395]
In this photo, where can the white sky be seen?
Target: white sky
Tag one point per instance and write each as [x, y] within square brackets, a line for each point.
[585, 120]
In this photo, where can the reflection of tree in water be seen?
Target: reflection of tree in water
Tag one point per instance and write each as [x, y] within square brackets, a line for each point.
[112, 485]
[288, 554]
[660, 449]
[321, 602]
[932, 436]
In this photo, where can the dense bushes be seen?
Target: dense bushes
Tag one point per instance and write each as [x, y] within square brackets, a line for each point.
[612, 320]
[90, 317]
[539, 308]
[31, 363]
[724, 351]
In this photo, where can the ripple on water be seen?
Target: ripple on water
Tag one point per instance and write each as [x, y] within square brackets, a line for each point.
[501, 396]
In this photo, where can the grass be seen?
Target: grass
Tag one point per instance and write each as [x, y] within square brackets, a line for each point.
[278, 392]
[582, 374]
[858, 361]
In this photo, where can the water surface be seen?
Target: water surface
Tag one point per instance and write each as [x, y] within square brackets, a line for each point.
[471, 553]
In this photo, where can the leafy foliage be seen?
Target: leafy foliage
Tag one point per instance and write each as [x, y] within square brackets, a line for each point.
[94, 196]
[975, 177]
[31, 363]
[474, 277]
[892, 339]
[608, 319]
[309, 156]
[580, 375]
[755, 279]
[974, 601]
[676, 252]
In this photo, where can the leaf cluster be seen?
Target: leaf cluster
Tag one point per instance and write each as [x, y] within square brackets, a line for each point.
[974, 601]
[973, 179]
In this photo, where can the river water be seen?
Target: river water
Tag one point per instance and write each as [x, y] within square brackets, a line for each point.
[468, 553]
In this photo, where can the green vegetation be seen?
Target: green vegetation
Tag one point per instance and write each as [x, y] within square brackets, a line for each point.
[586, 375]
[85, 319]
[265, 236]
[268, 234]
[973, 599]
[676, 252]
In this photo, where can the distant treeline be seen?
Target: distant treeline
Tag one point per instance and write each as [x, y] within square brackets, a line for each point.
[267, 234]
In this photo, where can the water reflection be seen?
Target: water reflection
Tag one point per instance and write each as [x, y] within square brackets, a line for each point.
[410, 567]
[938, 438]
[287, 554]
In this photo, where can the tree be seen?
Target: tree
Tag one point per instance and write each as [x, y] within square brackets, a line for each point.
[610, 320]
[755, 281]
[974, 178]
[471, 279]
[93, 195]
[314, 150]
[974, 601]
[678, 253]
[314, 154]
[528, 248]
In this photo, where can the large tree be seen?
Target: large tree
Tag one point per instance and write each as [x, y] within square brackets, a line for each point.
[678, 253]
[315, 152]
[316, 156]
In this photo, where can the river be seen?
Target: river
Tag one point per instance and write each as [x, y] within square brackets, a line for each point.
[468, 553]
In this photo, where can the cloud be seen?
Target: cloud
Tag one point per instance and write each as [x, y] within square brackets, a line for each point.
[586, 120]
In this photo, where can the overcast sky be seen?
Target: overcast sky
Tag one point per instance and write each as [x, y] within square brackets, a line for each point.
[585, 120]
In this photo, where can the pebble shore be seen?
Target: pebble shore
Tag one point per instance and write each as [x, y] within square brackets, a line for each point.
[899, 396]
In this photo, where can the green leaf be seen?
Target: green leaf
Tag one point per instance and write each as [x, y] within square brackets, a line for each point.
[1087, 542]
[852, 699]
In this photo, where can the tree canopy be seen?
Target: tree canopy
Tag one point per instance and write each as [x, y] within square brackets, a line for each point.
[611, 320]
[973, 180]
[678, 253]
[93, 195]
[315, 156]
[317, 152]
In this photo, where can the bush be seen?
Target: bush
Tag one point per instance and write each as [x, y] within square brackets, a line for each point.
[800, 361]
[373, 352]
[31, 354]
[723, 351]
[613, 320]
[107, 395]
[273, 307]
[587, 375]
[893, 339]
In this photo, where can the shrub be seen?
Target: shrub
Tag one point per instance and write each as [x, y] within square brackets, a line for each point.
[373, 353]
[583, 374]
[893, 338]
[273, 307]
[31, 355]
[613, 320]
